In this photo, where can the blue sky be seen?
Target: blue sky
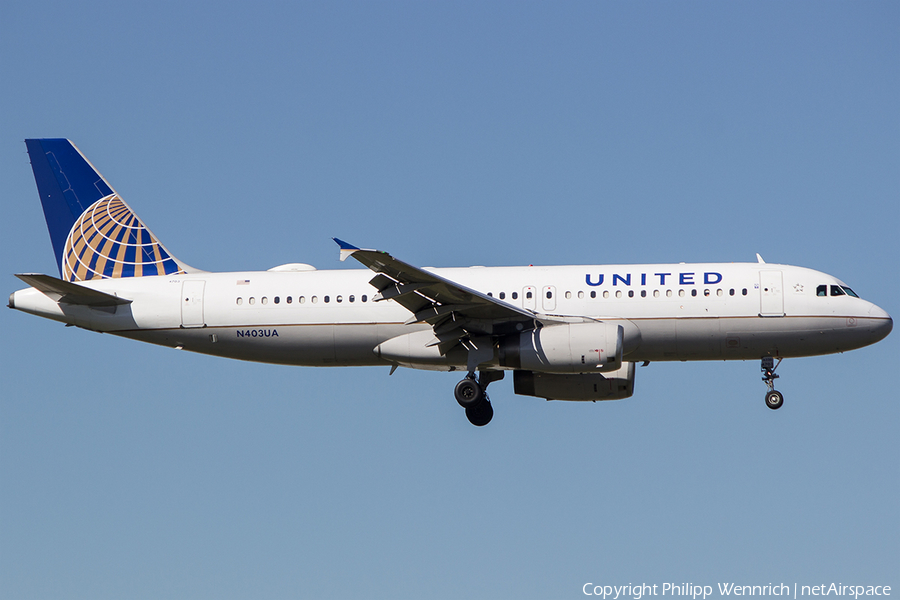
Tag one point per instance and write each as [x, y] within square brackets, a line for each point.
[451, 134]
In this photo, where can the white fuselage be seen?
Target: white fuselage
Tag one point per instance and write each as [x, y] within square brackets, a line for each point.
[710, 311]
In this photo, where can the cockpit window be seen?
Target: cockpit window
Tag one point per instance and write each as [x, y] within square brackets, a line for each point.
[836, 290]
[822, 290]
[849, 291]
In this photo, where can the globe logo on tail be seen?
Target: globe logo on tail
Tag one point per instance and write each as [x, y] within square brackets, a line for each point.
[108, 241]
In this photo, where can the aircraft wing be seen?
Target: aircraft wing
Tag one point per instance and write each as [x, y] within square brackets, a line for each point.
[455, 311]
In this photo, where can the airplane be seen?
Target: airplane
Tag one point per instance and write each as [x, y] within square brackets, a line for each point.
[566, 332]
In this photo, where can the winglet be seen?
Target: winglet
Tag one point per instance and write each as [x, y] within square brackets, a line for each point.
[759, 259]
[346, 249]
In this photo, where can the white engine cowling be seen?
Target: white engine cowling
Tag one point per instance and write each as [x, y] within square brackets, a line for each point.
[579, 386]
[566, 348]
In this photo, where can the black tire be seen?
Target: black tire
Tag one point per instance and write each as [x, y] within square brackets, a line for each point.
[480, 414]
[774, 400]
[468, 393]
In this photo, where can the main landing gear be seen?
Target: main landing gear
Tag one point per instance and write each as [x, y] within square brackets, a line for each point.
[472, 396]
[774, 399]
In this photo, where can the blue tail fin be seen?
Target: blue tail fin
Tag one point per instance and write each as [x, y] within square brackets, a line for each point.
[95, 234]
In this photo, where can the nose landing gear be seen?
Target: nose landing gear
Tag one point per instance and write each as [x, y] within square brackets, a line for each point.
[472, 396]
[774, 398]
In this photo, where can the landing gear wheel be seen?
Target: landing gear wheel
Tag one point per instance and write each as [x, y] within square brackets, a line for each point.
[774, 399]
[468, 393]
[480, 414]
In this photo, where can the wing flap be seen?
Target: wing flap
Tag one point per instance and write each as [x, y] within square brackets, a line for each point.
[395, 290]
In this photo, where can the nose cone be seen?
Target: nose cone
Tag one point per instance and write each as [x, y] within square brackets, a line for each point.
[881, 323]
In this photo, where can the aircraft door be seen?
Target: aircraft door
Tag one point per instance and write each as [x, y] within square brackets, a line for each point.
[771, 294]
[548, 296]
[192, 303]
[529, 297]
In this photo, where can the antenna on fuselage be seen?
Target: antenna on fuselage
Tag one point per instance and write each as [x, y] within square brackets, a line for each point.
[759, 259]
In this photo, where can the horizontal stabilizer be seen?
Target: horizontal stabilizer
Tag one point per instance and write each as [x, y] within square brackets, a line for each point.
[70, 293]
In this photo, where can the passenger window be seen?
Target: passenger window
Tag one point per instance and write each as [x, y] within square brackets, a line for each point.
[301, 299]
[593, 293]
[656, 293]
[822, 290]
[364, 298]
[836, 290]
[580, 295]
[327, 299]
[849, 291]
[240, 301]
[694, 292]
[731, 292]
[352, 298]
[503, 295]
[264, 300]
[528, 295]
[720, 293]
[643, 293]
[681, 293]
[277, 299]
[606, 293]
[515, 295]
[618, 293]
[314, 299]
[631, 293]
[668, 293]
[340, 298]
[252, 300]
[568, 295]
[549, 294]
[289, 299]
[744, 292]
[490, 294]
[706, 292]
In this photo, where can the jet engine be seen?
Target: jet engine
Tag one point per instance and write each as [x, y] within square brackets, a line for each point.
[565, 348]
[615, 385]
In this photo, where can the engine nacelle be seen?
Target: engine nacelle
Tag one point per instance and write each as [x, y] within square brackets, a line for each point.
[580, 386]
[566, 348]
